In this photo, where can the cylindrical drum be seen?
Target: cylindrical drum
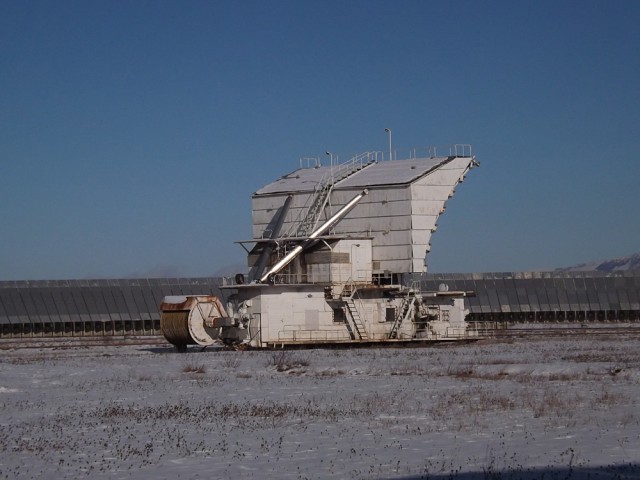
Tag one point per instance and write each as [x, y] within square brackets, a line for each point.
[190, 320]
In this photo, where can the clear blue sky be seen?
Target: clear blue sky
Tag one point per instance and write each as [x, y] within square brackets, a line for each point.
[132, 134]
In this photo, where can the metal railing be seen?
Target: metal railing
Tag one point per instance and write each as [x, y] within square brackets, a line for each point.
[356, 162]
[431, 151]
[310, 162]
[455, 150]
[316, 162]
[298, 335]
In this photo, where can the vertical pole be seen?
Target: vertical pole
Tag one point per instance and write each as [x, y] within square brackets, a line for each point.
[331, 168]
[388, 130]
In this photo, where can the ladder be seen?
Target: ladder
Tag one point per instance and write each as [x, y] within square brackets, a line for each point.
[321, 197]
[324, 187]
[407, 309]
[357, 320]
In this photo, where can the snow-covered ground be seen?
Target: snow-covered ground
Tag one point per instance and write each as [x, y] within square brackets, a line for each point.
[552, 408]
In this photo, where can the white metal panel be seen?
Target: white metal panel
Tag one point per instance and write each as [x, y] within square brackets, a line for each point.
[319, 273]
[312, 319]
[399, 265]
[464, 163]
[392, 172]
[340, 272]
[375, 195]
[418, 265]
[303, 179]
[442, 176]
[434, 192]
[359, 251]
[420, 237]
[392, 252]
[274, 202]
[263, 217]
[395, 194]
[375, 224]
[419, 251]
[325, 318]
[427, 207]
[387, 209]
[423, 222]
[393, 238]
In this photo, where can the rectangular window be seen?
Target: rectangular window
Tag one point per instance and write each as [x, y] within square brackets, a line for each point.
[390, 315]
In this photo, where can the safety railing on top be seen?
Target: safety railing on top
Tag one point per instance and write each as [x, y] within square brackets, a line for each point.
[357, 162]
[366, 157]
[456, 150]
[431, 151]
[293, 333]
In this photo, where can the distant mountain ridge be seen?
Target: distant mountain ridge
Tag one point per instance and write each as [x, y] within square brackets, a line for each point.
[621, 264]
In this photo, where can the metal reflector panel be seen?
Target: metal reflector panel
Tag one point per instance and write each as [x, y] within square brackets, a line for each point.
[4, 316]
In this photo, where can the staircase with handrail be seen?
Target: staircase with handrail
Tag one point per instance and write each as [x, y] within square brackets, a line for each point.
[348, 293]
[323, 189]
[406, 310]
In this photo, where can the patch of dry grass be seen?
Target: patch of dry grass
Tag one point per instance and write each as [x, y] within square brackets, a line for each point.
[194, 368]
